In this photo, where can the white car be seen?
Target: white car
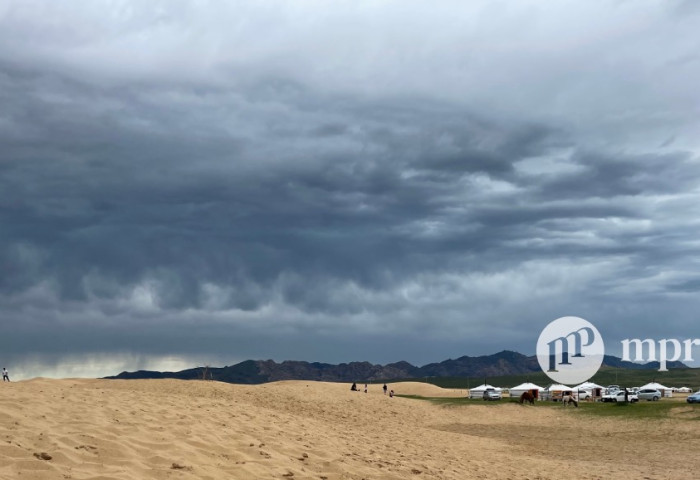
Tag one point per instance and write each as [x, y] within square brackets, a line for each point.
[583, 394]
[649, 394]
[491, 394]
[619, 396]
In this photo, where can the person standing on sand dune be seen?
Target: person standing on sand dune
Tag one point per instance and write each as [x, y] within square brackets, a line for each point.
[5, 375]
[384, 387]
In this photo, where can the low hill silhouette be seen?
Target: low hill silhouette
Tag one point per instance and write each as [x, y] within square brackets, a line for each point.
[261, 371]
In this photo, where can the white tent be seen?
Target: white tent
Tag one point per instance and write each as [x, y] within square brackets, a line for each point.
[665, 391]
[593, 388]
[478, 392]
[587, 386]
[558, 387]
[515, 392]
[555, 391]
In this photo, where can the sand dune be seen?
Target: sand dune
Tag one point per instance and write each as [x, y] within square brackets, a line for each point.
[169, 429]
[421, 389]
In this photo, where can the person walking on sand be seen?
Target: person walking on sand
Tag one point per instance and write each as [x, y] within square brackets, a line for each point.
[5, 375]
[384, 387]
[365, 388]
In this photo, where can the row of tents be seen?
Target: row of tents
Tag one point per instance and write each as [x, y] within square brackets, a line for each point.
[555, 390]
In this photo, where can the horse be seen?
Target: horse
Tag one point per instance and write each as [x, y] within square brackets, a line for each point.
[527, 397]
[567, 399]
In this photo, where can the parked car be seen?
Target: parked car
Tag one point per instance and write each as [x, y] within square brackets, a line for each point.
[694, 398]
[619, 396]
[649, 394]
[583, 394]
[492, 394]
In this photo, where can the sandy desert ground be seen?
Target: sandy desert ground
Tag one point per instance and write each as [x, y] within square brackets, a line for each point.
[169, 429]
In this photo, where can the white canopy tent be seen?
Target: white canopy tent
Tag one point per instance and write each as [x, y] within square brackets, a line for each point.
[478, 392]
[665, 391]
[515, 392]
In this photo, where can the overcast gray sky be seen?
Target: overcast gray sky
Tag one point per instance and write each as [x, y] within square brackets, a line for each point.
[185, 183]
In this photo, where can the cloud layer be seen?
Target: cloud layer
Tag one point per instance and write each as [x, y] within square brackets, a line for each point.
[200, 181]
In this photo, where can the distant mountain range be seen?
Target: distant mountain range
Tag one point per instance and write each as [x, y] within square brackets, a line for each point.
[262, 371]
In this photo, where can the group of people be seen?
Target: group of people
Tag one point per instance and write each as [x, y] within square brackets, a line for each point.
[5, 375]
[385, 388]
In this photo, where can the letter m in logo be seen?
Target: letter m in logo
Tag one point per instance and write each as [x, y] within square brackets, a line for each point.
[571, 342]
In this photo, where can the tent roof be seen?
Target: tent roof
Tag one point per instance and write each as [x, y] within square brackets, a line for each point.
[655, 385]
[557, 387]
[527, 386]
[484, 387]
[587, 385]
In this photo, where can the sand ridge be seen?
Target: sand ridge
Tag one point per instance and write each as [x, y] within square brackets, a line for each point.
[158, 429]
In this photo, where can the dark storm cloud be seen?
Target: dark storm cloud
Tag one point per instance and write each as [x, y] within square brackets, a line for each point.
[616, 174]
[291, 198]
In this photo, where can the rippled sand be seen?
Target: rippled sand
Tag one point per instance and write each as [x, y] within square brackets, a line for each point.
[169, 429]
